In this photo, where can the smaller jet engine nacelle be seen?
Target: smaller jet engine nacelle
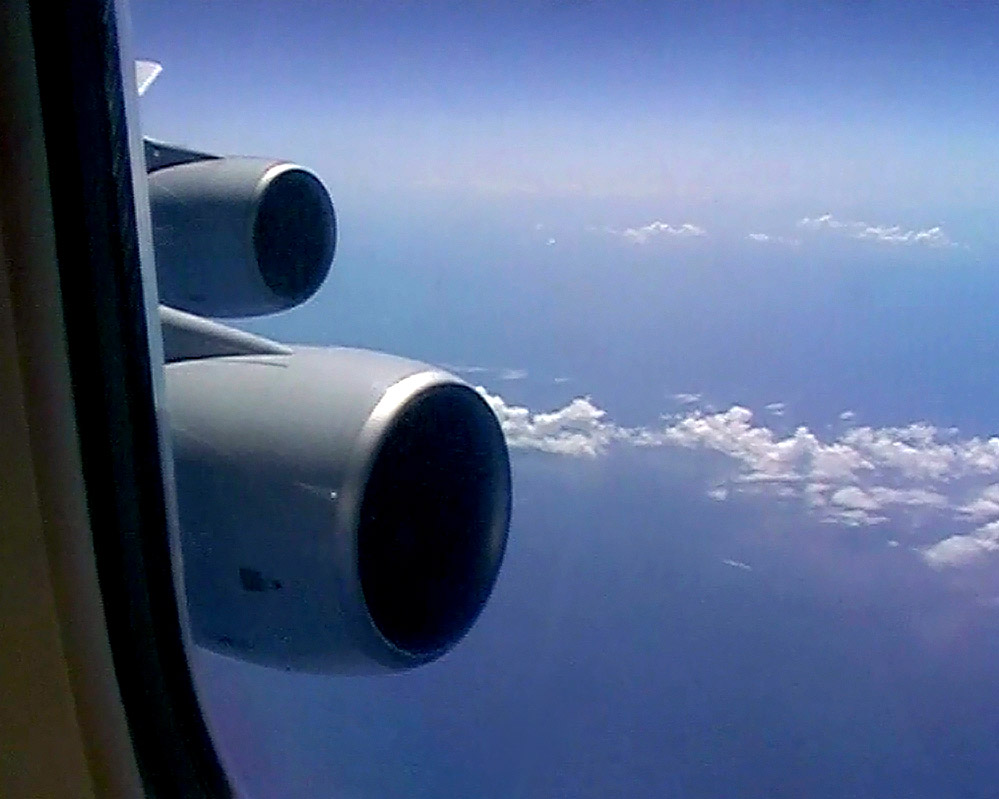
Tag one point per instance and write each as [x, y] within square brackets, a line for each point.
[342, 511]
[239, 236]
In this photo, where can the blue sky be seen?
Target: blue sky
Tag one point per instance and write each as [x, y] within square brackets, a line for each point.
[727, 273]
[879, 107]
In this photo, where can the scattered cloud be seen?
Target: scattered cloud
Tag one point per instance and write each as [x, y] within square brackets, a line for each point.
[884, 234]
[853, 498]
[767, 238]
[467, 370]
[933, 237]
[848, 416]
[825, 221]
[577, 429]
[983, 506]
[737, 564]
[959, 550]
[550, 242]
[641, 235]
[494, 372]
[865, 476]
[775, 408]
[512, 374]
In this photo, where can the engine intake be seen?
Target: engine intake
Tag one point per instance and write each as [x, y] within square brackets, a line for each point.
[239, 236]
[342, 511]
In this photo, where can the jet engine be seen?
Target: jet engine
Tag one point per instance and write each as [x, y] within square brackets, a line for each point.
[239, 236]
[341, 510]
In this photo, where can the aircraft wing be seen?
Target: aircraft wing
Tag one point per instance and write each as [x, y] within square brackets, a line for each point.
[145, 74]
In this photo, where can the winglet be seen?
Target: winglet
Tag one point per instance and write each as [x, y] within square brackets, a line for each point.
[145, 74]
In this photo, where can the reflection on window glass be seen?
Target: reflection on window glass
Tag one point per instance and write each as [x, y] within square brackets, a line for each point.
[725, 273]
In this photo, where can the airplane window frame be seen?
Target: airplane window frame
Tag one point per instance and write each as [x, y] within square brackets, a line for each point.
[90, 151]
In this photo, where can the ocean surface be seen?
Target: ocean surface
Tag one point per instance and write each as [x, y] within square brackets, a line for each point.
[646, 641]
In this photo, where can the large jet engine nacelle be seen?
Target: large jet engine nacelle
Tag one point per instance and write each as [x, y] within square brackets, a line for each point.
[342, 511]
[239, 236]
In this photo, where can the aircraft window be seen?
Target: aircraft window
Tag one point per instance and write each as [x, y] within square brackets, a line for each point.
[723, 274]
[87, 339]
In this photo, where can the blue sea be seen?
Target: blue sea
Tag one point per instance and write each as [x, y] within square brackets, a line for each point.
[645, 640]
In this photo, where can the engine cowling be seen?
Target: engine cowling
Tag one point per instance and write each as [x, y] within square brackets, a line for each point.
[239, 237]
[342, 511]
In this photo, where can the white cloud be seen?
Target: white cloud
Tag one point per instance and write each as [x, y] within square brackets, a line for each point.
[853, 517]
[884, 234]
[550, 242]
[467, 370]
[495, 372]
[911, 497]
[766, 238]
[577, 429]
[512, 374]
[983, 506]
[914, 452]
[853, 498]
[868, 506]
[687, 399]
[865, 476]
[958, 550]
[737, 564]
[776, 408]
[825, 221]
[932, 237]
[641, 235]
